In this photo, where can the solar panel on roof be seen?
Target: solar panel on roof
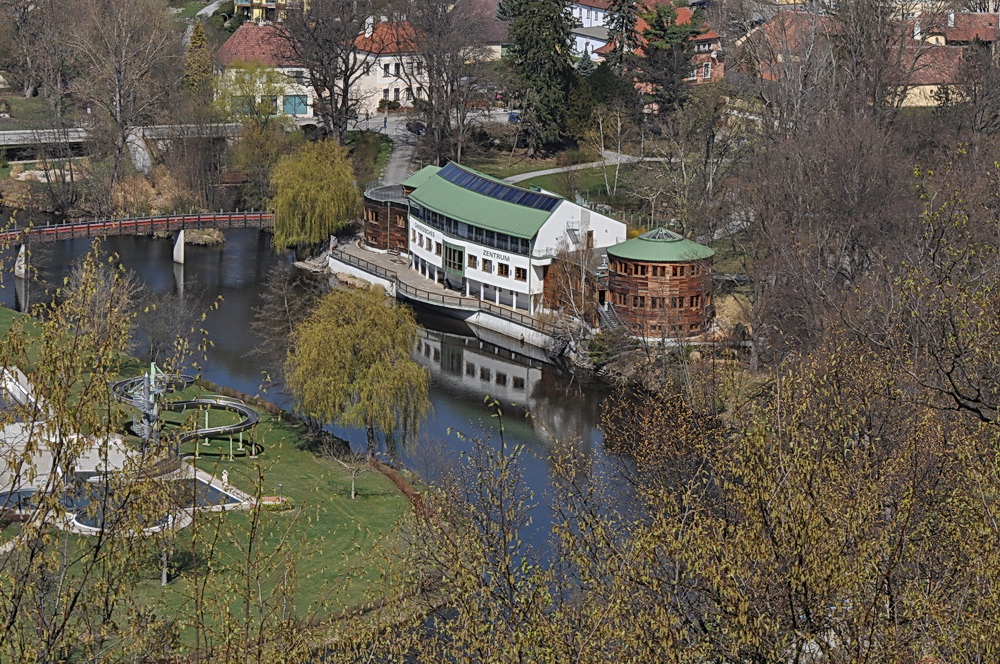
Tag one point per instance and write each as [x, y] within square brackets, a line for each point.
[497, 190]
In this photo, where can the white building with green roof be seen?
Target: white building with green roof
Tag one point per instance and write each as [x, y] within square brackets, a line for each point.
[494, 240]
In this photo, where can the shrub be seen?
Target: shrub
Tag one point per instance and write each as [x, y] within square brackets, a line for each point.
[388, 104]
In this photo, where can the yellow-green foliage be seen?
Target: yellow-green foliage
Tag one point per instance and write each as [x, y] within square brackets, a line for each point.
[314, 194]
[350, 362]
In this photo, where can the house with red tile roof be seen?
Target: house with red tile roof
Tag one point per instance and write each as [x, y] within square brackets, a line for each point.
[930, 51]
[707, 64]
[395, 72]
[267, 45]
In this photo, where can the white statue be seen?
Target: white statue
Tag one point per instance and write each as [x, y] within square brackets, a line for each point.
[225, 478]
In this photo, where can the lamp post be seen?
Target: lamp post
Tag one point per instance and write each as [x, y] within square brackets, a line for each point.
[280, 498]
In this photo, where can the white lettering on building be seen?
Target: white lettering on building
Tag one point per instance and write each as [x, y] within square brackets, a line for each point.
[426, 231]
[493, 254]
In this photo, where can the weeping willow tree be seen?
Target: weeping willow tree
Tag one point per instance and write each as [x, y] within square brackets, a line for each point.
[350, 363]
[314, 194]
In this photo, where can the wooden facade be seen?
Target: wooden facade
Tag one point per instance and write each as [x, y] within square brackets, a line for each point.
[661, 299]
[386, 221]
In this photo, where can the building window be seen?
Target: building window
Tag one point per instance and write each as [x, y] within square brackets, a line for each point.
[385, 69]
[706, 70]
[453, 259]
[501, 378]
[703, 47]
[385, 93]
[413, 236]
[473, 262]
[487, 265]
[395, 94]
[470, 369]
[397, 69]
[485, 374]
[296, 105]
[695, 300]
[518, 383]
[298, 76]
[521, 273]
[437, 248]
[409, 94]
[503, 269]
[420, 92]
[677, 303]
[694, 326]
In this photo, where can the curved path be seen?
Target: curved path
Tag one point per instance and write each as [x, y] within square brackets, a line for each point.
[610, 159]
[129, 390]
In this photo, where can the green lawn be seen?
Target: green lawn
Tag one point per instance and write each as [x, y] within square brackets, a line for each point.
[502, 164]
[337, 548]
[189, 9]
[32, 113]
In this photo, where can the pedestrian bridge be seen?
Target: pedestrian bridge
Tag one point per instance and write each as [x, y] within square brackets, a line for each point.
[135, 226]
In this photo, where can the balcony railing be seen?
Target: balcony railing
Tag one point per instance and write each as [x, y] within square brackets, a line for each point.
[444, 299]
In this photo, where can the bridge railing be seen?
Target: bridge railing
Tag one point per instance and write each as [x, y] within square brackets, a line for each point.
[140, 225]
[443, 299]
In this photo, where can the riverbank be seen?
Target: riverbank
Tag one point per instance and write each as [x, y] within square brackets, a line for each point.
[316, 543]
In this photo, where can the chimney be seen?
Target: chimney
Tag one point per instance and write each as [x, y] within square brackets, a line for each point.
[369, 26]
[916, 28]
[951, 19]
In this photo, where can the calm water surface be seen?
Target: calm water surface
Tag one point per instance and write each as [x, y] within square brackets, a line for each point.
[540, 402]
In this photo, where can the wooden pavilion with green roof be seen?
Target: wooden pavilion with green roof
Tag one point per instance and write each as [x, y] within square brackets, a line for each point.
[660, 285]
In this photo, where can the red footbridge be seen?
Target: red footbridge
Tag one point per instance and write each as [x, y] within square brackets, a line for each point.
[135, 226]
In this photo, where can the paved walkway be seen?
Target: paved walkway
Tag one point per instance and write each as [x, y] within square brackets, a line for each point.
[610, 159]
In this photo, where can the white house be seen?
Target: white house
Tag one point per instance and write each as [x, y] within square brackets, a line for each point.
[494, 240]
[265, 45]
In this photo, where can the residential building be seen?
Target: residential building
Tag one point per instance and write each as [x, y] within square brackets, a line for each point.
[927, 52]
[492, 240]
[267, 45]
[660, 285]
[707, 63]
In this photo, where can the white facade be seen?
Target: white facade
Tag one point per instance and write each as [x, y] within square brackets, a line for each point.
[511, 278]
[400, 77]
[587, 16]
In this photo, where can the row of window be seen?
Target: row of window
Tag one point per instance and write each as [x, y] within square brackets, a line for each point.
[414, 68]
[517, 382]
[486, 374]
[453, 259]
[578, 12]
[503, 269]
[642, 270]
[455, 228]
[268, 105]
[693, 327]
[705, 70]
[656, 302]
[419, 93]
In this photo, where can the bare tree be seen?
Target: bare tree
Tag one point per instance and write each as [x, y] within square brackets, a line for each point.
[337, 41]
[448, 64]
[124, 49]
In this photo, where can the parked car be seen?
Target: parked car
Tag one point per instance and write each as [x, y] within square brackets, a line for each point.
[514, 118]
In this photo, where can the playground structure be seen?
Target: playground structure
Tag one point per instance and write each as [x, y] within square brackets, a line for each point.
[145, 393]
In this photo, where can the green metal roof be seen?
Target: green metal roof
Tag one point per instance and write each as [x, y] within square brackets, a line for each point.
[420, 176]
[660, 246]
[483, 211]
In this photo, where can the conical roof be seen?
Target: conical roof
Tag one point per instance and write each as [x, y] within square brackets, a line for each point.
[660, 246]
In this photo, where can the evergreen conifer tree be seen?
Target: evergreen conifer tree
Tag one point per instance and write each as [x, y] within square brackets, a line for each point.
[540, 57]
[622, 18]
[585, 66]
[198, 62]
[667, 58]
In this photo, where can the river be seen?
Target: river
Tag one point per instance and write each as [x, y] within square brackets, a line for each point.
[463, 370]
